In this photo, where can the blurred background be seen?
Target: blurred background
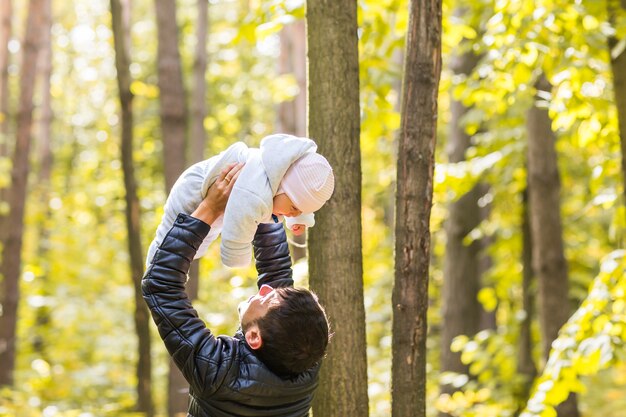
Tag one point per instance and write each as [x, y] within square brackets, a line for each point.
[513, 72]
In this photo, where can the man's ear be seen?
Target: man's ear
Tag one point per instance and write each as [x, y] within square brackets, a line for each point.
[253, 337]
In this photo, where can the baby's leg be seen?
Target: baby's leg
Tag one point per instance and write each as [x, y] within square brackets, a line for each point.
[185, 196]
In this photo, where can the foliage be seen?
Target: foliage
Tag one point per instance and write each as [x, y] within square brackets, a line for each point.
[517, 41]
[76, 262]
[80, 362]
[592, 340]
[497, 388]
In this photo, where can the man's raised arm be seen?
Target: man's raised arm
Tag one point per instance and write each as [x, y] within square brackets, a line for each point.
[193, 347]
[271, 252]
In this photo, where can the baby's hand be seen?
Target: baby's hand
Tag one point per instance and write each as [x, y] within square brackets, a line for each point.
[298, 229]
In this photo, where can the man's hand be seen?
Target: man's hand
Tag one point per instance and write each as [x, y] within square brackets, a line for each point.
[214, 203]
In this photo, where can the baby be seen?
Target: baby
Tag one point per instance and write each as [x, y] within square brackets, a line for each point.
[283, 177]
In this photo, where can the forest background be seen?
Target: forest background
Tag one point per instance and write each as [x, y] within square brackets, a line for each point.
[515, 76]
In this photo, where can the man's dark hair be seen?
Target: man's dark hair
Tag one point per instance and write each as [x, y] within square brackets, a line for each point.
[295, 332]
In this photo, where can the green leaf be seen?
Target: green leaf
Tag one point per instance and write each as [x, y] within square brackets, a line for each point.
[488, 298]
[458, 343]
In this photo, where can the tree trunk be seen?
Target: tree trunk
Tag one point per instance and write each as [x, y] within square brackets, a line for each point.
[335, 241]
[45, 122]
[177, 386]
[6, 15]
[416, 161]
[120, 13]
[42, 315]
[177, 391]
[487, 319]
[173, 127]
[462, 267]
[12, 252]
[549, 264]
[525, 363]
[462, 312]
[173, 106]
[198, 95]
[618, 65]
[292, 114]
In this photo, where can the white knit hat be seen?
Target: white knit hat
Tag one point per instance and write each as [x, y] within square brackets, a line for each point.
[309, 182]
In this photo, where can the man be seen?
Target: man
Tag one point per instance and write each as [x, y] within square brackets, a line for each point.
[270, 367]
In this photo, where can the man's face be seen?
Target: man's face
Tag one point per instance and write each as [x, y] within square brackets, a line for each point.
[257, 305]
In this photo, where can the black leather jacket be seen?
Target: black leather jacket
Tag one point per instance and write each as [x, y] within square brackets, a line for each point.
[225, 376]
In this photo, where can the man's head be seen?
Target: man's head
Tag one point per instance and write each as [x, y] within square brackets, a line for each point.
[286, 327]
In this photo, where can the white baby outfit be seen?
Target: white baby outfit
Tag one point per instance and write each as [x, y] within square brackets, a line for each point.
[251, 199]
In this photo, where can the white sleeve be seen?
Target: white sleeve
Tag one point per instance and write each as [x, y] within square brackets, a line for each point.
[306, 219]
[243, 213]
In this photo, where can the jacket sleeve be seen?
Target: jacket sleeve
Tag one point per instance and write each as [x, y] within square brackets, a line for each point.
[271, 252]
[203, 359]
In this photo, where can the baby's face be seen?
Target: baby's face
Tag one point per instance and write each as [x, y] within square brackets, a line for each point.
[284, 206]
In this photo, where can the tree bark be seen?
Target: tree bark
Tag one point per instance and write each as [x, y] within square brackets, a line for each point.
[462, 312]
[120, 14]
[42, 316]
[177, 386]
[462, 267]
[292, 114]
[173, 105]
[335, 241]
[416, 161]
[177, 391]
[525, 363]
[618, 65]
[198, 95]
[45, 121]
[549, 264]
[12, 253]
[173, 127]
[6, 16]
